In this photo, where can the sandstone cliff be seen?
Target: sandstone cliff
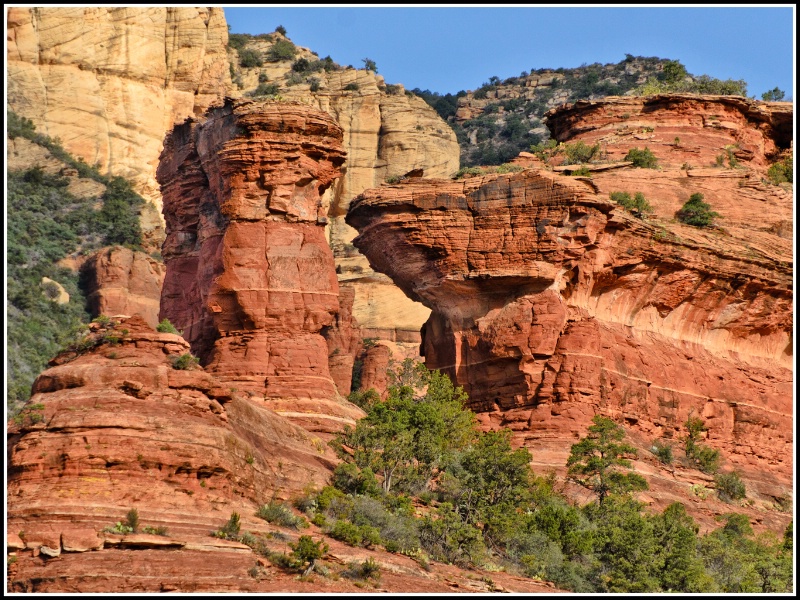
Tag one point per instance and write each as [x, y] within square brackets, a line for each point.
[551, 303]
[387, 133]
[110, 81]
[250, 277]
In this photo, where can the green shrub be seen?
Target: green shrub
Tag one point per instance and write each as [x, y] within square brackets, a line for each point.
[369, 65]
[281, 50]
[696, 212]
[249, 58]
[278, 514]
[306, 550]
[638, 205]
[730, 486]
[351, 87]
[776, 94]
[132, 520]
[230, 530]
[313, 84]
[579, 152]
[281, 29]
[263, 78]
[364, 398]
[582, 172]
[368, 569]
[355, 535]
[706, 458]
[663, 451]
[781, 171]
[238, 40]
[266, 89]
[644, 159]
[166, 327]
[160, 530]
[184, 362]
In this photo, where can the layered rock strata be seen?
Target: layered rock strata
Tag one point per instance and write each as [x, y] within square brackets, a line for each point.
[110, 81]
[117, 426]
[387, 134]
[119, 281]
[250, 277]
[551, 303]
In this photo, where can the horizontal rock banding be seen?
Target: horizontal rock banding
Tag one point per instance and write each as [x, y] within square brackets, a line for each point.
[551, 303]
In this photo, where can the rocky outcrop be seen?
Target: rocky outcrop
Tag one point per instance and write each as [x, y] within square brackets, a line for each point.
[387, 133]
[109, 82]
[250, 277]
[119, 281]
[343, 337]
[551, 303]
[116, 425]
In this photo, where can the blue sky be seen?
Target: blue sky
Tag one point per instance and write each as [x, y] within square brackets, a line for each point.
[450, 48]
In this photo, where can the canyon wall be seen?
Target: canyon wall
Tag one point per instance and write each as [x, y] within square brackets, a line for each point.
[551, 303]
[250, 277]
[110, 81]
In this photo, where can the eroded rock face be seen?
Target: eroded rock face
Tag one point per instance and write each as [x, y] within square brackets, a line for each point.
[118, 427]
[110, 81]
[119, 281]
[551, 303]
[250, 277]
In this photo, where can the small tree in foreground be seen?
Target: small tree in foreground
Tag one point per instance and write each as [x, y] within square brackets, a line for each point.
[595, 461]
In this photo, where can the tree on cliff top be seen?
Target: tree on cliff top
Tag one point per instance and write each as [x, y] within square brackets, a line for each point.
[594, 462]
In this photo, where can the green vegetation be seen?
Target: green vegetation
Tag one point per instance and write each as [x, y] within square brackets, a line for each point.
[351, 87]
[483, 506]
[281, 50]
[184, 362]
[166, 327]
[579, 152]
[730, 486]
[370, 65]
[265, 89]
[705, 458]
[281, 29]
[249, 58]
[129, 525]
[596, 461]
[674, 78]
[644, 159]
[638, 205]
[45, 223]
[229, 531]
[279, 514]
[782, 171]
[306, 552]
[697, 213]
[774, 95]
[500, 169]
[663, 450]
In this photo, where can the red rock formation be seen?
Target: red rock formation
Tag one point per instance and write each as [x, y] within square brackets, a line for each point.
[250, 277]
[120, 281]
[118, 427]
[344, 342]
[551, 303]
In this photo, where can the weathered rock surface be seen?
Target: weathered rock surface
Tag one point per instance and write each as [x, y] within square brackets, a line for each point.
[250, 277]
[387, 134]
[117, 427]
[119, 281]
[110, 81]
[344, 342]
[551, 303]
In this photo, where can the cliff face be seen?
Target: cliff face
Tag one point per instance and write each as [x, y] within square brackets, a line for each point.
[117, 427]
[387, 134]
[119, 281]
[551, 303]
[250, 277]
[110, 81]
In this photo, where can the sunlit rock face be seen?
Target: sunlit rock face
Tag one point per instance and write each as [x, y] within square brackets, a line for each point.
[250, 277]
[550, 303]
